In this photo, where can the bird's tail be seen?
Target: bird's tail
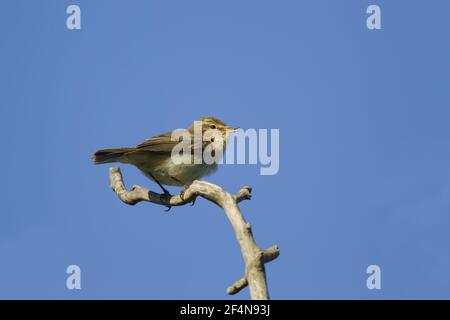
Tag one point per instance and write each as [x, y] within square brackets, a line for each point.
[110, 155]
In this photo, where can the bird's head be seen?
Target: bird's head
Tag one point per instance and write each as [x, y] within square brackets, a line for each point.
[211, 127]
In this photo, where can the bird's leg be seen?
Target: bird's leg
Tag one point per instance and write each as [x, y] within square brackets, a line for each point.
[163, 197]
[166, 192]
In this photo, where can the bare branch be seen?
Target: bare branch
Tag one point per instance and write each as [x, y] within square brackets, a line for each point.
[237, 286]
[254, 257]
[270, 254]
[244, 194]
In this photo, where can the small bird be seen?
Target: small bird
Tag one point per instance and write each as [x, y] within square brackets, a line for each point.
[153, 157]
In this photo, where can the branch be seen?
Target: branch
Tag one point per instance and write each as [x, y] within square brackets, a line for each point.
[254, 257]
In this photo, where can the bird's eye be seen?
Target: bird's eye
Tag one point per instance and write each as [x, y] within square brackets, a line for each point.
[212, 139]
[213, 126]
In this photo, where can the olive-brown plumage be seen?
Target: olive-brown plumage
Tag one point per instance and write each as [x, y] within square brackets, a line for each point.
[153, 156]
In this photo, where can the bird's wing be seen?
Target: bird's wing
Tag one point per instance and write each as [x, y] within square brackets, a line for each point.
[161, 143]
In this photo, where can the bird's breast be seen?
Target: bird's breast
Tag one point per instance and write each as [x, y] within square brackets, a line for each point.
[179, 174]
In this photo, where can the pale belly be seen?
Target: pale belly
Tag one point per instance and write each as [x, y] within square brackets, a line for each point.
[162, 168]
[168, 173]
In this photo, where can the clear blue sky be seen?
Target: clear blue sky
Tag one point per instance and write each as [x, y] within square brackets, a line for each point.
[364, 155]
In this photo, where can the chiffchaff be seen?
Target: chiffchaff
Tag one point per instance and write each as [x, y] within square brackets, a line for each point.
[154, 157]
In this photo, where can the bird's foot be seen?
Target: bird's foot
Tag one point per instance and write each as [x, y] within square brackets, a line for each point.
[165, 198]
[184, 191]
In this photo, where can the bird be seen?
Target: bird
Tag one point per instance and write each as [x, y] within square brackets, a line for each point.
[155, 159]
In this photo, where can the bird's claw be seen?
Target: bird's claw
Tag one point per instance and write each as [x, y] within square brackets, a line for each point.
[182, 193]
[165, 198]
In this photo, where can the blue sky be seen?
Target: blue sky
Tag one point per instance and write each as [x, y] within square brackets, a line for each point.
[364, 145]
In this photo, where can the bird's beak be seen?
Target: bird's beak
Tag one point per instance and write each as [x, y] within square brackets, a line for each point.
[232, 130]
